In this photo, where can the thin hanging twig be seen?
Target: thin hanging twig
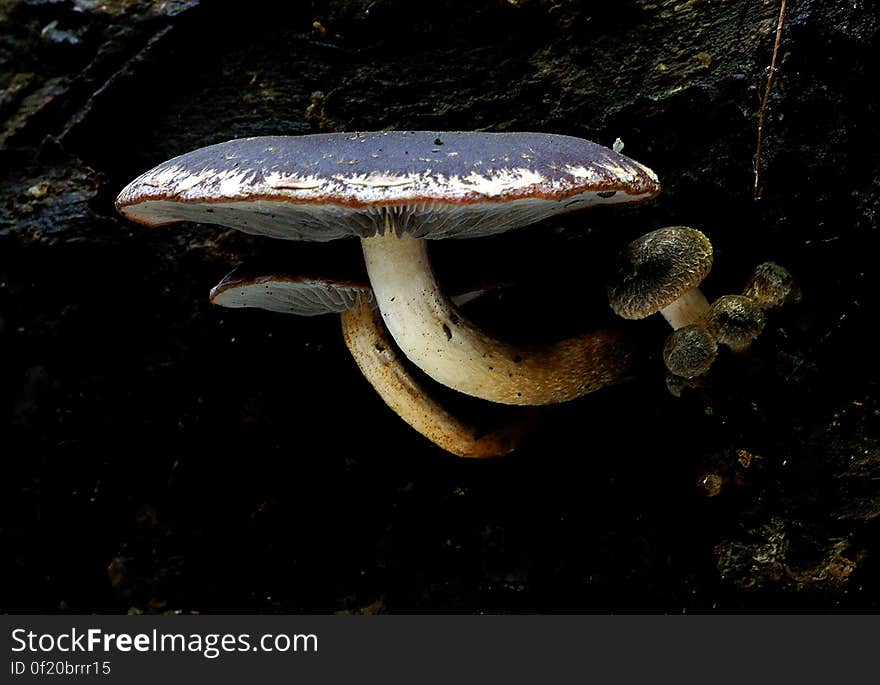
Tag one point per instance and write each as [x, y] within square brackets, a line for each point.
[762, 114]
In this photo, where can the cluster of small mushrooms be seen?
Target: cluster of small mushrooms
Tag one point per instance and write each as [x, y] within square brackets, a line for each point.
[662, 272]
[394, 191]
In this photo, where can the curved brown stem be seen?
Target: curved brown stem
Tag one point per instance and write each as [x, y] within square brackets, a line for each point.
[376, 356]
[439, 340]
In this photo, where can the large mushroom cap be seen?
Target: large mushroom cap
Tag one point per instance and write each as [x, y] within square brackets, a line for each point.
[657, 269]
[437, 185]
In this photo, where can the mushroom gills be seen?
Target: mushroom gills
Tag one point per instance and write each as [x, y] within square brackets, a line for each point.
[301, 296]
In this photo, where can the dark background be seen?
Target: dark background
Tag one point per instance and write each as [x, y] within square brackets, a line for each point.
[159, 454]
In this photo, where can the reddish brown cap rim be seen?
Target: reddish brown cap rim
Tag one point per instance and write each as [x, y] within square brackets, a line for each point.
[433, 184]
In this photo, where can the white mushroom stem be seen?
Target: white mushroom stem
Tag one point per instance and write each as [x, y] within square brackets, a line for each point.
[453, 351]
[690, 308]
[377, 359]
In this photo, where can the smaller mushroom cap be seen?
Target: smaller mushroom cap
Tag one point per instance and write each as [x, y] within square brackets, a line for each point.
[772, 285]
[710, 483]
[288, 294]
[658, 268]
[690, 351]
[313, 295]
[735, 320]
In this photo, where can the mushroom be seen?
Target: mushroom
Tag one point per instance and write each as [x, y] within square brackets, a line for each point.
[393, 189]
[689, 351]
[300, 295]
[662, 271]
[735, 320]
[373, 351]
[772, 285]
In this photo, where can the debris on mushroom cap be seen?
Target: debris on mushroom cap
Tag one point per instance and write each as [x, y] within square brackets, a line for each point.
[658, 268]
[772, 285]
[735, 320]
[300, 295]
[437, 185]
[690, 351]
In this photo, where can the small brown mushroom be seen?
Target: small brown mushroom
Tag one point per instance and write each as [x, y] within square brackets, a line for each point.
[772, 285]
[393, 189]
[373, 351]
[735, 321]
[710, 483]
[662, 271]
[690, 351]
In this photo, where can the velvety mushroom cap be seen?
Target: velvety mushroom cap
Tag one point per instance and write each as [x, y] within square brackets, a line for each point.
[436, 185]
[657, 269]
[735, 320]
[690, 351]
[772, 285]
[300, 295]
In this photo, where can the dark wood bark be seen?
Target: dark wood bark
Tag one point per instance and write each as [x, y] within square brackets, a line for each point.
[163, 454]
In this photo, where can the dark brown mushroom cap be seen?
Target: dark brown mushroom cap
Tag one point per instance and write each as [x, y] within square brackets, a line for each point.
[288, 294]
[690, 351]
[435, 185]
[735, 320]
[772, 285]
[658, 268]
